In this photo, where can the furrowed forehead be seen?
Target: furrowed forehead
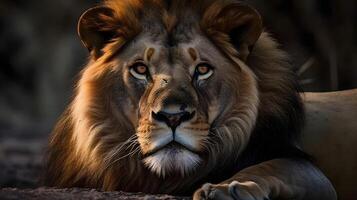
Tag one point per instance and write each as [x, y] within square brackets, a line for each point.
[155, 48]
[166, 43]
[182, 54]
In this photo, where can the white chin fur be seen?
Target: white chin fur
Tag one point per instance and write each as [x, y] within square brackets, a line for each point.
[168, 160]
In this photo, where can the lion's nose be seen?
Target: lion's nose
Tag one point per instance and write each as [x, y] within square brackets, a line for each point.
[173, 120]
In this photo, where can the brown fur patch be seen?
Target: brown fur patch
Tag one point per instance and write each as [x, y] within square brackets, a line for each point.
[149, 53]
[193, 54]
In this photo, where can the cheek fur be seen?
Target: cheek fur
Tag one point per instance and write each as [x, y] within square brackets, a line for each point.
[208, 93]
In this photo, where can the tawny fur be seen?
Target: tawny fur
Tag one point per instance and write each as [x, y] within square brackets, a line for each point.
[91, 143]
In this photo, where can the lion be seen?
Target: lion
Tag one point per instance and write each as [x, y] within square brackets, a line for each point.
[187, 98]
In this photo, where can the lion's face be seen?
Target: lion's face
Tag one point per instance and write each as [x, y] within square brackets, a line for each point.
[177, 94]
[180, 80]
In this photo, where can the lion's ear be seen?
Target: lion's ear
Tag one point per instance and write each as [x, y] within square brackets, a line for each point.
[240, 22]
[95, 30]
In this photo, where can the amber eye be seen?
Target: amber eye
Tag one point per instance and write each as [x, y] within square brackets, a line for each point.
[139, 70]
[204, 71]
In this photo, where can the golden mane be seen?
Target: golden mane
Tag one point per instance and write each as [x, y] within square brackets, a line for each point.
[84, 143]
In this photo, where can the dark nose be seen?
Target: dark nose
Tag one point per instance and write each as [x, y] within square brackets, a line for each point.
[173, 120]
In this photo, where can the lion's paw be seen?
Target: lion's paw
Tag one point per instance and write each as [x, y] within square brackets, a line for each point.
[233, 191]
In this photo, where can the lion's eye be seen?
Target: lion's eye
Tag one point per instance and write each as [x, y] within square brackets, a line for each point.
[203, 71]
[139, 71]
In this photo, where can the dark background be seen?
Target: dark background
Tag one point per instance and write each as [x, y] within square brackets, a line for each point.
[40, 55]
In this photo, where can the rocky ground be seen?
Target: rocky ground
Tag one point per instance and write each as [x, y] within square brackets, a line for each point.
[75, 194]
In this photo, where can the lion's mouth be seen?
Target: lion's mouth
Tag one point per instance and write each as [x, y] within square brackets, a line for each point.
[173, 148]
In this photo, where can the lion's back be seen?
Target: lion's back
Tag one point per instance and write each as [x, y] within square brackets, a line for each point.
[331, 137]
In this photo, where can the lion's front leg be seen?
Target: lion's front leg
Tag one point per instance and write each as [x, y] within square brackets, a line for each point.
[274, 179]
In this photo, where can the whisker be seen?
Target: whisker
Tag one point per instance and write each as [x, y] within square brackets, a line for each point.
[131, 146]
[119, 148]
[122, 157]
